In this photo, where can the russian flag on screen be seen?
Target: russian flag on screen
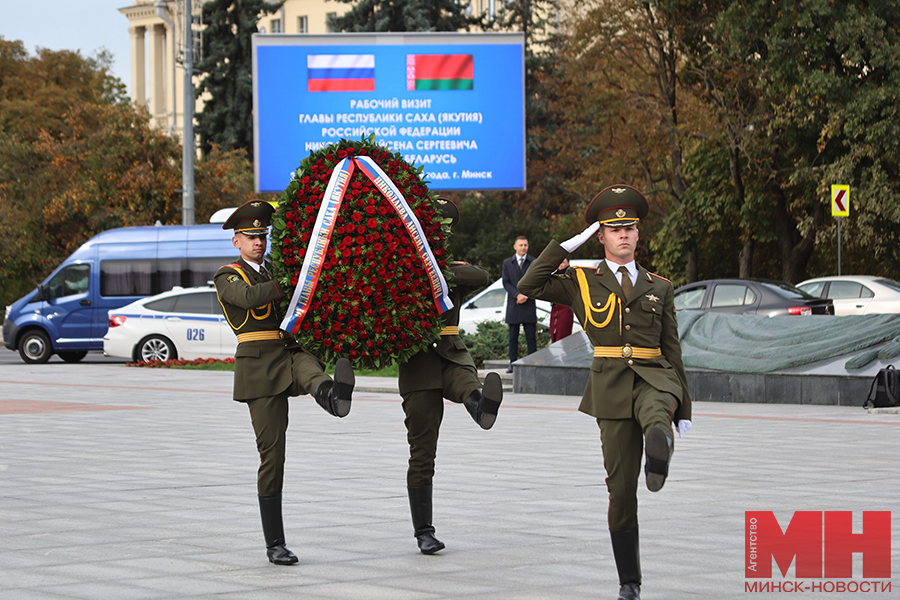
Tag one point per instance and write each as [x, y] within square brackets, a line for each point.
[340, 72]
[439, 72]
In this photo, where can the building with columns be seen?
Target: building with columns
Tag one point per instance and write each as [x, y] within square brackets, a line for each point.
[156, 28]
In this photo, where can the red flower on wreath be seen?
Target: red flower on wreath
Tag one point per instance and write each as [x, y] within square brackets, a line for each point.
[373, 303]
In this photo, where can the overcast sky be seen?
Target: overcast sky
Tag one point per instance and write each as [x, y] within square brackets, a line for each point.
[84, 25]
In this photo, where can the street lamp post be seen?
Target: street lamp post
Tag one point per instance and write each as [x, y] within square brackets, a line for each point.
[187, 156]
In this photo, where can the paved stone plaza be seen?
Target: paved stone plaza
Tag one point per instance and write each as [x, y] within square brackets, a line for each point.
[119, 483]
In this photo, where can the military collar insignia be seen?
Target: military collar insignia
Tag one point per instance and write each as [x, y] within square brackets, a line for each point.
[652, 298]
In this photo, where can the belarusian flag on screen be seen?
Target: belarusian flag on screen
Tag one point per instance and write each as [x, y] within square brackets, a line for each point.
[439, 72]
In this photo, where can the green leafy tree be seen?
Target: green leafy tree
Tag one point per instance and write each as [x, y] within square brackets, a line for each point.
[76, 159]
[403, 15]
[224, 178]
[805, 98]
[226, 73]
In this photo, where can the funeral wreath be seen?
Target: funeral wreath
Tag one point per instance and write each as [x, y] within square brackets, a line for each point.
[368, 288]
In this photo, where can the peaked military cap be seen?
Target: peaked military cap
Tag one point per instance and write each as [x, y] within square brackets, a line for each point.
[252, 218]
[617, 206]
[448, 209]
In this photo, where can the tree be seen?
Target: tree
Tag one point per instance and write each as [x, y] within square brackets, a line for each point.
[403, 15]
[36, 91]
[224, 178]
[624, 116]
[813, 103]
[226, 73]
[76, 159]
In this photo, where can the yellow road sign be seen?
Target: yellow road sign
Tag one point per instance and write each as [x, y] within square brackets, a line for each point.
[840, 200]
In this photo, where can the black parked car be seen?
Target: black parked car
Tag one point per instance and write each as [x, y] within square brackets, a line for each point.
[757, 296]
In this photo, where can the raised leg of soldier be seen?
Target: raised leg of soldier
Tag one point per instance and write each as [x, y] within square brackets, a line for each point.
[622, 443]
[461, 385]
[424, 412]
[309, 377]
[654, 409]
[269, 417]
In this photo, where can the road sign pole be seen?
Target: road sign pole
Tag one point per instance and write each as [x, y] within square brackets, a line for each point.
[839, 245]
[840, 207]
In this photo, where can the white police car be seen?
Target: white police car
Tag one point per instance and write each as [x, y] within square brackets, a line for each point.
[490, 304]
[184, 323]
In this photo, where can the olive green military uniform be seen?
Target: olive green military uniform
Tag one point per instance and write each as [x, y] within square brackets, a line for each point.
[268, 368]
[446, 370]
[637, 379]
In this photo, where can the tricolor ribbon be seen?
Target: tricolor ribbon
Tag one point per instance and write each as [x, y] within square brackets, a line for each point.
[324, 226]
[439, 288]
[318, 245]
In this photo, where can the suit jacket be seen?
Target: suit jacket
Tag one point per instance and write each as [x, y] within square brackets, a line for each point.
[262, 367]
[647, 320]
[424, 370]
[517, 313]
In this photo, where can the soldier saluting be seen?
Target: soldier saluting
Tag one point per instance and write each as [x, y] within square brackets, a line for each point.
[637, 386]
[269, 365]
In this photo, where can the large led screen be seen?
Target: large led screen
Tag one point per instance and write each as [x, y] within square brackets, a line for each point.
[452, 103]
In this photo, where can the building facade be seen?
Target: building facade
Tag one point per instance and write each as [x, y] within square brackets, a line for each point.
[156, 28]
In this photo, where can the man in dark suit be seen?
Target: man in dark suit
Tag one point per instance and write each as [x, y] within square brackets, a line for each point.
[269, 365]
[520, 309]
[637, 386]
[445, 370]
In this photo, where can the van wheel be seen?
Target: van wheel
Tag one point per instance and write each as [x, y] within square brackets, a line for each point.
[155, 347]
[34, 347]
[72, 357]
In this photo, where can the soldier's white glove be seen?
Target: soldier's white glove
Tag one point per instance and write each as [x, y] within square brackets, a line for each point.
[683, 427]
[572, 243]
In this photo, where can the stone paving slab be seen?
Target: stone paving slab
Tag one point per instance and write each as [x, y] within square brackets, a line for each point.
[159, 501]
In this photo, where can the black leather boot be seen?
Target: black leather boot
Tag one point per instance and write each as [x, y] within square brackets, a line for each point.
[626, 550]
[420, 507]
[483, 404]
[273, 530]
[659, 450]
[335, 396]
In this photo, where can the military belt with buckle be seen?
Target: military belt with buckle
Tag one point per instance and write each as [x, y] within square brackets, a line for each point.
[255, 336]
[626, 351]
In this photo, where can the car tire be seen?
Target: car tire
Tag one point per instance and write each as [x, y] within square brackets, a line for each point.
[72, 357]
[155, 347]
[35, 347]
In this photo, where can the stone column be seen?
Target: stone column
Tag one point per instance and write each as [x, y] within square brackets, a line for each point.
[138, 74]
[157, 73]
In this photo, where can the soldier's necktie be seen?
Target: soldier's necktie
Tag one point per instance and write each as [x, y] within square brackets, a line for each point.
[626, 282]
[264, 273]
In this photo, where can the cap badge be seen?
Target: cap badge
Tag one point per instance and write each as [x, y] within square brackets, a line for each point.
[256, 204]
[256, 223]
[441, 201]
[620, 213]
[618, 190]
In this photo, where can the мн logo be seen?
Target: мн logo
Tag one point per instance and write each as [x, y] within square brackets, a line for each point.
[820, 544]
